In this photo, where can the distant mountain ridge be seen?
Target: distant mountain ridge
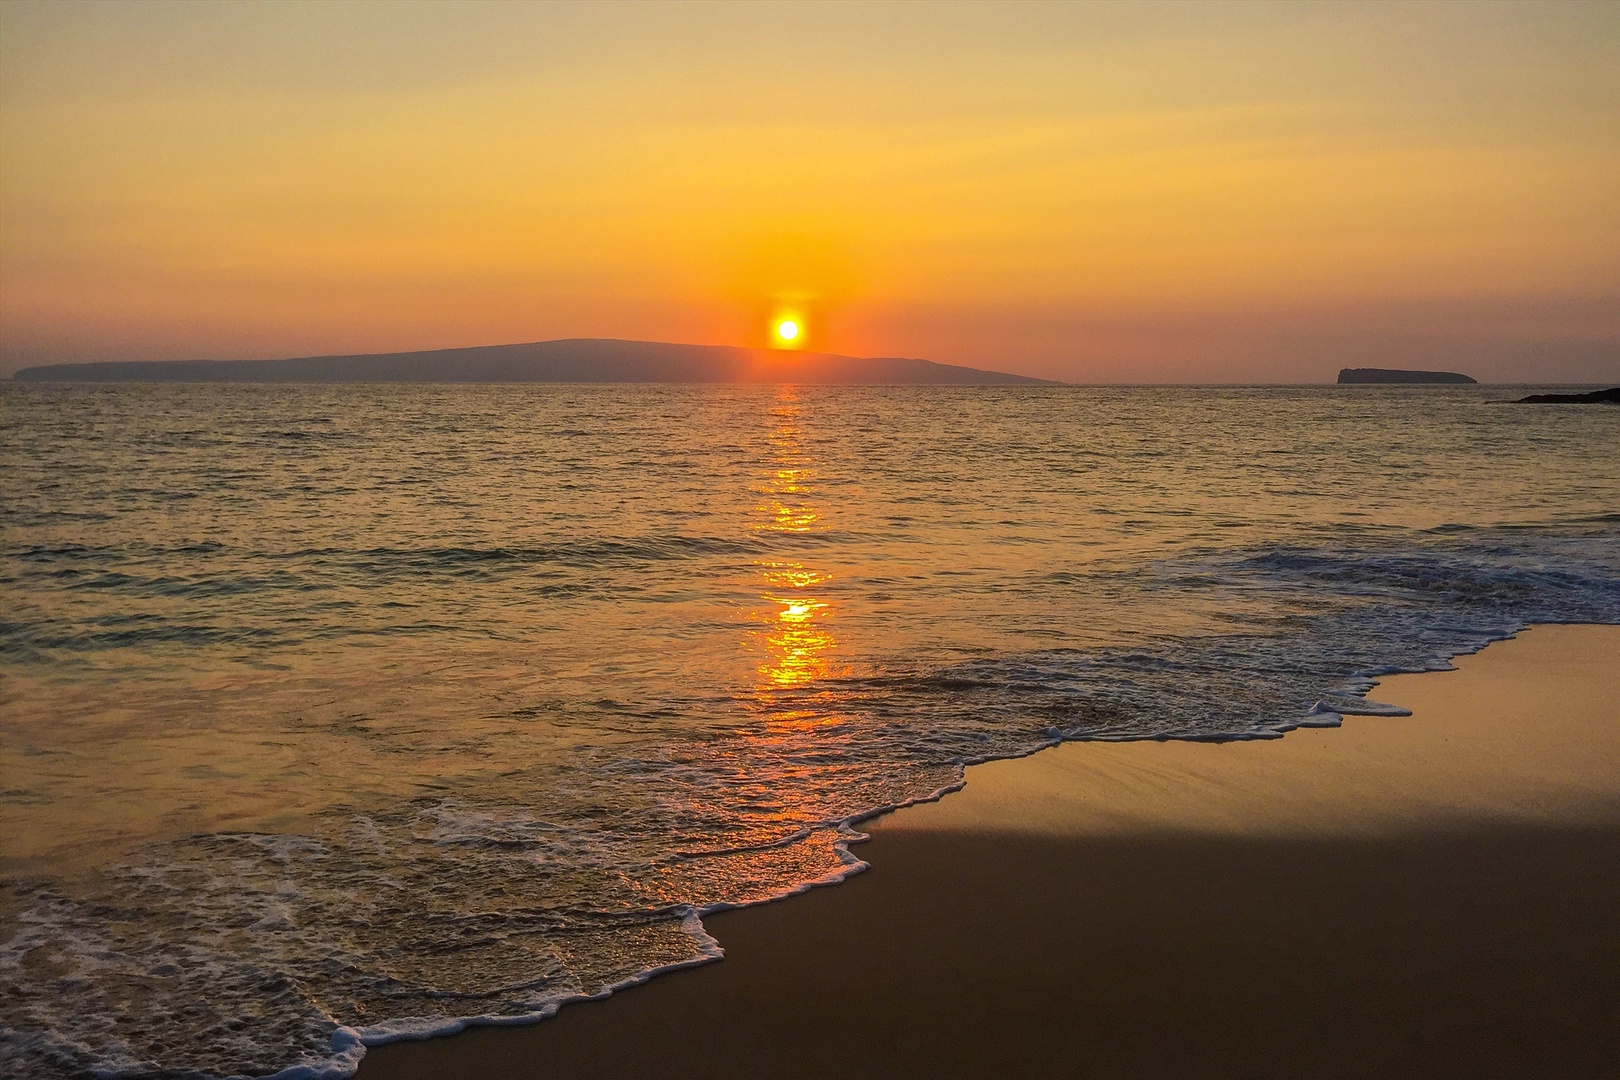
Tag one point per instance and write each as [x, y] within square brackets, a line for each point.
[1399, 375]
[583, 360]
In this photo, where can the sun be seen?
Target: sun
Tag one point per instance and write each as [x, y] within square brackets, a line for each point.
[788, 325]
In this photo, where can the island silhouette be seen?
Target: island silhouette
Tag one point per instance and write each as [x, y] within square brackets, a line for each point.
[1351, 375]
[572, 360]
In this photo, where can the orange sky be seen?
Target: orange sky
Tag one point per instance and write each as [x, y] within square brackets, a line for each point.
[1095, 193]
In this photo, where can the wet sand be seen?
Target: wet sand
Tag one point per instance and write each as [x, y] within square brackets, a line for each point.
[1426, 896]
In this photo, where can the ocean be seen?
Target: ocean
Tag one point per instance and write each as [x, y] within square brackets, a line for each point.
[339, 714]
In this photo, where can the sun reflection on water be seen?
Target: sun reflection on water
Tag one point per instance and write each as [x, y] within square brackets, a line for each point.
[795, 640]
[796, 643]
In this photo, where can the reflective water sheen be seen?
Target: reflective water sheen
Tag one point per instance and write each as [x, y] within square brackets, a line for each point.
[336, 713]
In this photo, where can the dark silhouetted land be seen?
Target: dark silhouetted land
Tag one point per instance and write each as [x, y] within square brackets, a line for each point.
[1596, 397]
[1397, 375]
[577, 360]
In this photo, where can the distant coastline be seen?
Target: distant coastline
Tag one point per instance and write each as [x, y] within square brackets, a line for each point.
[574, 360]
[1610, 396]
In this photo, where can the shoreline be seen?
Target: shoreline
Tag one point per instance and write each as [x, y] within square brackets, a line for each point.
[1420, 896]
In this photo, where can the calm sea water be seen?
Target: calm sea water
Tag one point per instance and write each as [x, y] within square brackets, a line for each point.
[339, 713]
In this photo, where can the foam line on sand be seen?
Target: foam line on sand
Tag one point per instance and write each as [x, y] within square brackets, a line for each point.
[1423, 896]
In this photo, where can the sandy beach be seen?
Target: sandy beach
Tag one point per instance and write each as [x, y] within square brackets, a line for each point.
[1422, 896]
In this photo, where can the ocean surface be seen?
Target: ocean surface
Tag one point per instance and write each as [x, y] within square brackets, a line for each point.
[337, 714]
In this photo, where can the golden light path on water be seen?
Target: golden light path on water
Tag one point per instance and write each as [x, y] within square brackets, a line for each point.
[795, 639]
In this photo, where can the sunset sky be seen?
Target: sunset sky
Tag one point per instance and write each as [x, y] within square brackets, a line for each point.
[1139, 193]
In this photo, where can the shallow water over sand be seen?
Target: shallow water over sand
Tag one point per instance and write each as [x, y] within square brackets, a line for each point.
[371, 708]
